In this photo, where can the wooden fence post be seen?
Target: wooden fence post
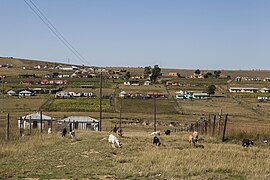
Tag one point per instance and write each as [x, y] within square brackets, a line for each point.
[7, 128]
[224, 130]
[219, 121]
[30, 123]
[214, 126]
[205, 128]
[20, 125]
[41, 121]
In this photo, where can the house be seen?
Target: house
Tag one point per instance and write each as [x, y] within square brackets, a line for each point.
[147, 83]
[264, 90]
[26, 93]
[237, 79]
[173, 74]
[132, 83]
[11, 93]
[68, 68]
[34, 121]
[171, 83]
[243, 89]
[89, 94]
[62, 94]
[266, 79]
[123, 94]
[74, 94]
[156, 94]
[191, 95]
[81, 122]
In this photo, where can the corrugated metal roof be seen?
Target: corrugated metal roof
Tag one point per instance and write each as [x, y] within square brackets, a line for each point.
[36, 116]
[85, 119]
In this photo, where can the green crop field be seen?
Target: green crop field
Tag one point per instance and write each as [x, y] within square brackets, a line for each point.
[79, 104]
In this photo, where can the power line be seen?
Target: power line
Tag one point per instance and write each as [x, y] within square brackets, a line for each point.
[53, 29]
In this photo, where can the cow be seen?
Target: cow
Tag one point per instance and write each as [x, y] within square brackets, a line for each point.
[157, 133]
[113, 140]
[247, 142]
[156, 141]
[193, 138]
[168, 132]
[64, 132]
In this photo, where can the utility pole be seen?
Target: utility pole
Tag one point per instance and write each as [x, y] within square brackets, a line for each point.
[3, 99]
[121, 113]
[155, 114]
[100, 101]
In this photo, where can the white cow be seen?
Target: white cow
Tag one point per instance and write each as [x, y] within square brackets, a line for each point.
[113, 140]
[50, 131]
[157, 133]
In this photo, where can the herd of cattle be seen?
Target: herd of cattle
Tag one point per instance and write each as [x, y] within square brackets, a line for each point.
[193, 138]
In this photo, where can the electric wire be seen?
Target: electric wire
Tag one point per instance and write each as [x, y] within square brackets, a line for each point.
[52, 28]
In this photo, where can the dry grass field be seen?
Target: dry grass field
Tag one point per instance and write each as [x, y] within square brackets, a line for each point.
[91, 157]
[44, 156]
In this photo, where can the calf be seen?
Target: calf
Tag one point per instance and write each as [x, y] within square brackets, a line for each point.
[247, 142]
[168, 132]
[113, 140]
[193, 138]
[156, 141]
[64, 132]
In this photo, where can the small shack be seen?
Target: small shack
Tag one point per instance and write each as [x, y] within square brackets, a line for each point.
[11, 93]
[81, 122]
[34, 121]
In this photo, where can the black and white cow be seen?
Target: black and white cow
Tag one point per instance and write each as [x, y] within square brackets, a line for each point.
[247, 142]
[156, 141]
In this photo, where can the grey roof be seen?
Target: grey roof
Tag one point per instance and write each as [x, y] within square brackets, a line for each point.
[11, 92]
[86, 119]
[25, 92]
[36, 116]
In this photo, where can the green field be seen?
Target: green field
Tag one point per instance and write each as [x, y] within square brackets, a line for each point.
[79, 104]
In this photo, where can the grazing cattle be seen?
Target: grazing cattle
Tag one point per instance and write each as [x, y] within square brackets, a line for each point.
[168, 132]
[64, 132]
[50, 131]
[119, 132]
[113, 140]
[156, 141]
[193, 138]
[247, 142]
[157, 133]
[72, 134]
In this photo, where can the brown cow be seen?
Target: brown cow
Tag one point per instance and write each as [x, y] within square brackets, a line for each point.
[193, 138]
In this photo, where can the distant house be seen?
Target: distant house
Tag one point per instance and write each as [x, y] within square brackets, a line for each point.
[62, 94]
[132, 83]
[74, 94]
[81, 122]
[173, 74]
[243, 89]
[171, 83]
[237, 79]
[34, 120]
[147, 83]
[26, 93]
[266, 79]
[190, 95]
[88, 94]
[11, 93]
[264, 90]
[68, 68]
[123, 94]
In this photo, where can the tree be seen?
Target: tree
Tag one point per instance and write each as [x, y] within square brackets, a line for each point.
[211, 89]
[217, 73]
[208, 74]
[156, 72]
[127, 76]
[147, 71]
[197, 72]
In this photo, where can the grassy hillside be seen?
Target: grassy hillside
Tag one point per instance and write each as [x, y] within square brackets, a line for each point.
[91, 157]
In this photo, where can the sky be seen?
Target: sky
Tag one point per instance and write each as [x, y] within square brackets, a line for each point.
[182, 34]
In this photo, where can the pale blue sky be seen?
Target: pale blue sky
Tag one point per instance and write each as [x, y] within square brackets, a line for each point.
[204, 34]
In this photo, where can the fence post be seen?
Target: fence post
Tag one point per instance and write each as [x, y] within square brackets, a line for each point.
[205, 128]
[20, 125]
[219, 121]
[51, 124]
[41, 121]
[30, 122]
[224, 130]
[214, 126]
[7, 128]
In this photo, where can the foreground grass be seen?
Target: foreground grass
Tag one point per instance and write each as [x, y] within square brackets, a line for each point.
[90, 156]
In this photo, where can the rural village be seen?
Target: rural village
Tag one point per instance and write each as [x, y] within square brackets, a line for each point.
[40, 99]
